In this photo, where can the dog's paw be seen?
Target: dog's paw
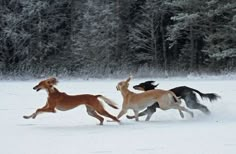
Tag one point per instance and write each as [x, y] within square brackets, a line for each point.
[26, 117]
[130, 117]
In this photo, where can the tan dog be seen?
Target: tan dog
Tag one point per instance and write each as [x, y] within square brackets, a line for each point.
[139, 101]
[62, 101]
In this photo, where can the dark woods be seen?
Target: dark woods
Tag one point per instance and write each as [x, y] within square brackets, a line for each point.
[108, 37]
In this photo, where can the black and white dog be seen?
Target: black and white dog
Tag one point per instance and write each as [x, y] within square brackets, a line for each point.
[186, 93]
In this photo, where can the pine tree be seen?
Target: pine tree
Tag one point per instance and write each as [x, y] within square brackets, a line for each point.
[221, 39]
[188, 31]
[95, 42]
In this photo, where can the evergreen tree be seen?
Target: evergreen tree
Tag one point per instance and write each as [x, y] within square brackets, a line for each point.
[221, 39]
[95, 42]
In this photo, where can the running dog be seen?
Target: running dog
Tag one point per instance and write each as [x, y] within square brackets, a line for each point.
[139, 101]
[186, 93]
[63, 102]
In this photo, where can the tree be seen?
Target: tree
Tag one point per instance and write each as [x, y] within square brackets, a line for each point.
[221, 39]
[34, 30]
[148, 34]
[188, 31]
[95, 42]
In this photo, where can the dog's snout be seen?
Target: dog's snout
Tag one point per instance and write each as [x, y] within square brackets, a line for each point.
[36, 88]
[137, 87]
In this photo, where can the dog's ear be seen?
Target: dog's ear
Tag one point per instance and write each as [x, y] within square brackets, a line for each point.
[52, 81]
[150, 82]
[130, 77]
[156, 85]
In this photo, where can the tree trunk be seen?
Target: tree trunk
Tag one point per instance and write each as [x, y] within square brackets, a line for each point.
[117, 31]
[163, 45]
[154, 45]
[193, 53]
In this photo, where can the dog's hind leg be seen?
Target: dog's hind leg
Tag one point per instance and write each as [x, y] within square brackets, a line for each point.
[201, 107]
[186, 110]
[181, 113]
[93, 113]
[103, 112]
[181, 108]
[193, 103]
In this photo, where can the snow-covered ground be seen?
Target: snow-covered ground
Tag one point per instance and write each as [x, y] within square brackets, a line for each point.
[74, 132]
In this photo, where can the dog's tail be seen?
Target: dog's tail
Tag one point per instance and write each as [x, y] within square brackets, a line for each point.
[210, 96]
[108, 101]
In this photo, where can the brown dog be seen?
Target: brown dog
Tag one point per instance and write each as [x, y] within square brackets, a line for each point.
[62, 101]
[139, 101]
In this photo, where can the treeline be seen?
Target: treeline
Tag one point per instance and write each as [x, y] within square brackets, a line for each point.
[108, 37]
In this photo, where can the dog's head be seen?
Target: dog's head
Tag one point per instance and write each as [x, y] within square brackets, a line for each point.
[46, 84]
[123, 84]
[144, 86]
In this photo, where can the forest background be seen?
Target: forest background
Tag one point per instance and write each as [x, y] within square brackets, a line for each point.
[101, 38]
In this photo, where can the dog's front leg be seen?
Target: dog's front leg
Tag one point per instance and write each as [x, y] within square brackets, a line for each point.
[30, 116]
[136, 115]
[38, 111]
[34, 114]
[122, 112]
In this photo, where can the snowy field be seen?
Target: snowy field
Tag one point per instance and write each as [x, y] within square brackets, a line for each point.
[74, 132]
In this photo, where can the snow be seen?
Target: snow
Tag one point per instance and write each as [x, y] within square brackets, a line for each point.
[74, 132]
